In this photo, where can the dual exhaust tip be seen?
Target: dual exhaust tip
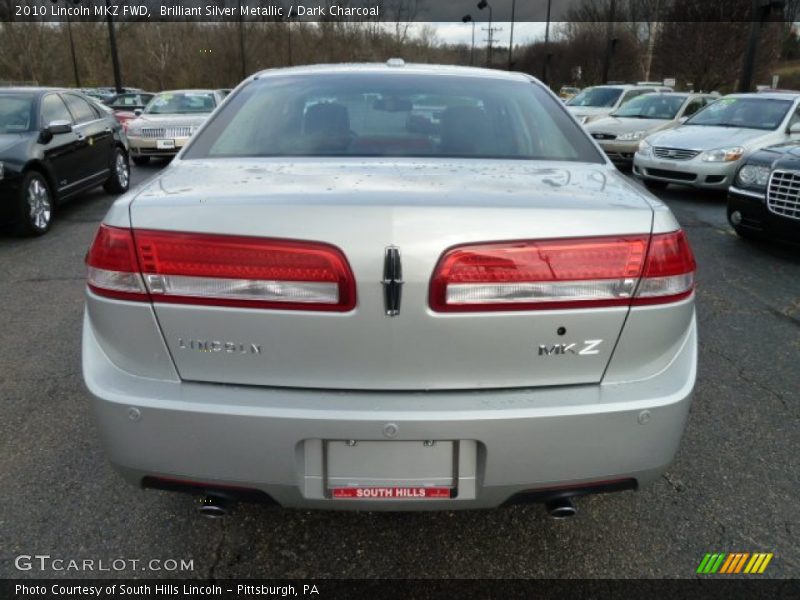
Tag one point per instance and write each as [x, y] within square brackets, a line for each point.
[216, 507]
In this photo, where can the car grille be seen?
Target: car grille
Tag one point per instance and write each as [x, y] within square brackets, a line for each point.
[166, 132]
[675, 153]
[783, 194]
[604, 136]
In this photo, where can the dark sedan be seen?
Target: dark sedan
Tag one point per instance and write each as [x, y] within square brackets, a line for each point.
[54, 145]
[764, 200]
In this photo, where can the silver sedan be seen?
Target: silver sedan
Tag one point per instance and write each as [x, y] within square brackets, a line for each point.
[392, 287]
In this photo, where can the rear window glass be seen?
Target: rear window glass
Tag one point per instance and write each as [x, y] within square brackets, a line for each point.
[369, 114]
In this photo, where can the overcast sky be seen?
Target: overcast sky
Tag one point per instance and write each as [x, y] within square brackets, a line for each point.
[455, 33]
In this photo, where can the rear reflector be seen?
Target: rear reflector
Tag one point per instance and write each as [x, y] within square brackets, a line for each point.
[563, 273]
[221, 270]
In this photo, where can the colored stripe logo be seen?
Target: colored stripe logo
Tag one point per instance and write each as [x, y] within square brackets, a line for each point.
[731, 563]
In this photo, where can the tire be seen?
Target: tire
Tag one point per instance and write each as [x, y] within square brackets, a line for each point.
[653, 184]
[120, 179]
[35, 205]
[141, 161]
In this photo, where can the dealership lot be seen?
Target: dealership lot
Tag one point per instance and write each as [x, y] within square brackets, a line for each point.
[734, 486]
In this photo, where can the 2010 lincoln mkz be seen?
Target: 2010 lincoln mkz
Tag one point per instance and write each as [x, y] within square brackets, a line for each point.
[390, 287]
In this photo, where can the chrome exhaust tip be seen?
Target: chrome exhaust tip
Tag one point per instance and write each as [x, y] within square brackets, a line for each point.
[213, 507]
[560, 508]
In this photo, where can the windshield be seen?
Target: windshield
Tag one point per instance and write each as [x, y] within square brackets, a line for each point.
[16, 113]
[368, 114]
[596, 96]
[751, 113]
[181, 103]
[651, 106]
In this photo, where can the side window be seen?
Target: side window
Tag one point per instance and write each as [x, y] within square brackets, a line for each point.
[80, 109]
[54, 109]
[693, 107]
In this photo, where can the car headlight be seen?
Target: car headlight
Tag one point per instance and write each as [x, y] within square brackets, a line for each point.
[723, 154]
[631, 136]
[644, 148]
[753, 175]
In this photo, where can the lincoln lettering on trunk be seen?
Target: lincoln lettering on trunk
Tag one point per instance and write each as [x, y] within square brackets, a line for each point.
[218, 346]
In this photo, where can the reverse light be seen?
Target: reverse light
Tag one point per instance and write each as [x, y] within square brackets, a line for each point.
[222, 270]
[563, 273]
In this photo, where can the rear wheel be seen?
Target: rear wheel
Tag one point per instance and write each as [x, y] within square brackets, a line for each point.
[653, 184]
[141, 160]
[34, 205]
[120, 178]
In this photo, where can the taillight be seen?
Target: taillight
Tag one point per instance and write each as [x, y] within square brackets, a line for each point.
[669, 274]
[563, 273]
[113, 268]
[223, 270]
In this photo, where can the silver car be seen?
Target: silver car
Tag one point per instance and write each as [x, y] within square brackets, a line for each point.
[706, 151]
[168, 121]
[333, 300]
[599, 101]
[619, 133]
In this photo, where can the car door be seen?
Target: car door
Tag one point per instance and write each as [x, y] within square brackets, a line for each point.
[62, 153]
[96, 134]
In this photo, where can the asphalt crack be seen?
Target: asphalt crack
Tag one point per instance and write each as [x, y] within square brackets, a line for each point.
[218, 550]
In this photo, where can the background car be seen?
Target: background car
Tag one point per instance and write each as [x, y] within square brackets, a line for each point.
[55, 144]
[600, 100]
[620, 132]
[707, 150]
[126, 104]
[168, 121]
[764, 199]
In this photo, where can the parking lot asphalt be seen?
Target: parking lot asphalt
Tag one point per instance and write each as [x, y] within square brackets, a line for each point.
[734, 486]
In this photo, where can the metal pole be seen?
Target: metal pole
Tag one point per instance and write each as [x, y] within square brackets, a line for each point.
[112, 38]
[489, 53]
[241, 46]
[472, 49]
[511, 36]
[746, 79]
[74, 58]
[609, 43]
[546, 45]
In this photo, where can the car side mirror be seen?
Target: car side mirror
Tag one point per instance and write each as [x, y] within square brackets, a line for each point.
[54, 128]
[794, 129]
[138, 112]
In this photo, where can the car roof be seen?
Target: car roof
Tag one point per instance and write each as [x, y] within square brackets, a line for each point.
[767, 95]
[185, 91]
[387, 68]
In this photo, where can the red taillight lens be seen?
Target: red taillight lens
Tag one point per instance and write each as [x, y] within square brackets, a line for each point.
[669, 274]
[562, 273]
[221, 270]
[113, 269]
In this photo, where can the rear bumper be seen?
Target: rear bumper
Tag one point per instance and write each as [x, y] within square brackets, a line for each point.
[510, 442]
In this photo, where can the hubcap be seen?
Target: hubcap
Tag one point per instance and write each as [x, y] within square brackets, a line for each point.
[122, 170]
[39, 204]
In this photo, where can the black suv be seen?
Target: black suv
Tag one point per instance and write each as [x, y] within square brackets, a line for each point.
[54, 145]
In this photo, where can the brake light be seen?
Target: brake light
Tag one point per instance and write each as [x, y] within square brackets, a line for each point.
[223, 270]
[113, 269]
[563, 273]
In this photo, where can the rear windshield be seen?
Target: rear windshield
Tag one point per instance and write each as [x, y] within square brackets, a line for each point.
[367, 114]
[750, 113]
[598, 97]
[16, 113]
[651, 106]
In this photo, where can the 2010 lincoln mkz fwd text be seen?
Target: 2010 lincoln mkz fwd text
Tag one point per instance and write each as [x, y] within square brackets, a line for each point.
[392, 287]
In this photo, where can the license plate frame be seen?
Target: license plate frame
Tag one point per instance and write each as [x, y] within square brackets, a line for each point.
[165, 144]
[390, 470]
